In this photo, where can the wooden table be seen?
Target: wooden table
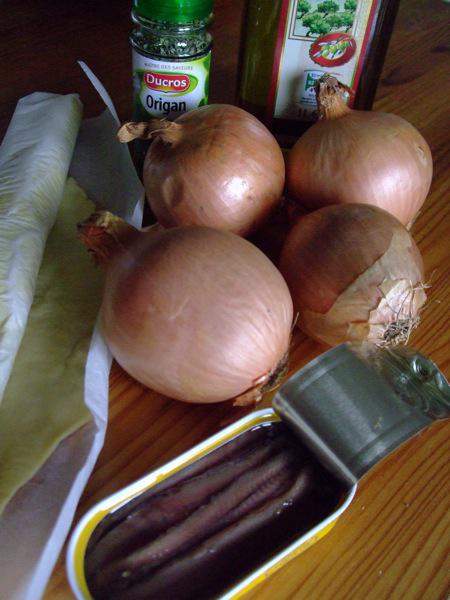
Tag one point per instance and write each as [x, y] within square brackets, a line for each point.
[392, 543]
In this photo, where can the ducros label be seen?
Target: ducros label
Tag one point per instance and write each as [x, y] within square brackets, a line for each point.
[318, 37]
[166, 82]
[167, 89]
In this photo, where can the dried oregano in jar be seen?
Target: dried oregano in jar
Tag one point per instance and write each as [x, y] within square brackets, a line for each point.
[171, 57]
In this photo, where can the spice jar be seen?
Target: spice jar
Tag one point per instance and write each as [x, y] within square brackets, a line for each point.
[171, 49]
[171, 57]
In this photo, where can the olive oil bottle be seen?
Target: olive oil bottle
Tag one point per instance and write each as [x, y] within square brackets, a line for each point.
[288, 44]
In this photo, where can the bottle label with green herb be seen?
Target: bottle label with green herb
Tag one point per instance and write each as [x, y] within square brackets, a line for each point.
[316, 37]
[167, 88]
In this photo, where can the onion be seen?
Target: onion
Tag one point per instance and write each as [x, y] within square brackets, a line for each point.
[355, 274]
[197, 314]
[352, 156]
[216, 166]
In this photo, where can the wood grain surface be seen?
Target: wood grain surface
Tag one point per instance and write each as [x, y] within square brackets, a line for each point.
[393, 541]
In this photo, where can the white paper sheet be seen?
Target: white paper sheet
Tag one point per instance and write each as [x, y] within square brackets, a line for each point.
[35, 156]
[36, 522]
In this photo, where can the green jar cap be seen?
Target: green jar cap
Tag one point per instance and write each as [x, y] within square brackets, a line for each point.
[174, 11]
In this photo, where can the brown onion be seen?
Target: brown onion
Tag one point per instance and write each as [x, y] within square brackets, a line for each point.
[216, 165]
[196, 314]
[352, 156]
[355, 274]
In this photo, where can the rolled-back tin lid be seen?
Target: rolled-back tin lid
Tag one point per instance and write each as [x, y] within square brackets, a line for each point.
[356, 403]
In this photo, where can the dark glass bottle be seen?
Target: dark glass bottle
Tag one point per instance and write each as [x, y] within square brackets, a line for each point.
[289, 44]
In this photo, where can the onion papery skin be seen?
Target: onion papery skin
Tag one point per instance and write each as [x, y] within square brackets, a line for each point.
[221, 168]
[355, 274]
[196, 314]
[361, 157]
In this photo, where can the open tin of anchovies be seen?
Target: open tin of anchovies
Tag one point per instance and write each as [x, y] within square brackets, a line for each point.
[217, 520]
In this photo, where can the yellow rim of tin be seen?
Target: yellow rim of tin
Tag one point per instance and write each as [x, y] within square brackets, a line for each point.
[83, 531]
